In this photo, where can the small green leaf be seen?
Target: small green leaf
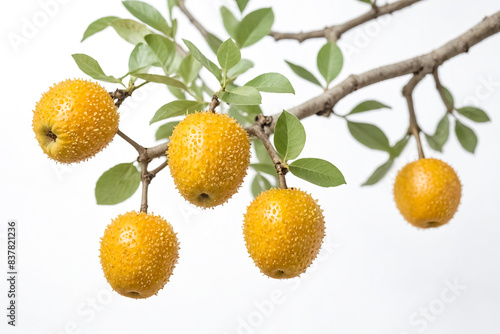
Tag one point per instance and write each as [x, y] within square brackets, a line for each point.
[177, 108]
[171, 4]
[366, 1]
[189, 68]
[466, 136]
[130, 30]
[241, 96]
[242, 4]
[208, 64]
[369, 135]
[440, 136]
[271, 83]
[91, 67]
[177, 92]
[379, 173]
[228, 54]
[240, 68]
[317, 171]
[303, 73]
[213, 42]
[141, 58]
[260, 184]
[245, 115]
[230, 21]
[398, 148]
[163, 49]
[261, 152]
[165, 131]
[474, 114]
[117, 184]
[162, 79]
[367, 106]
[289, 136]
[148, 14]
[448, 97]
[98, 25]
[330, 61]
[254, 27]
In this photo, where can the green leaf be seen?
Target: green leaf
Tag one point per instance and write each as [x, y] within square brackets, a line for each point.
[177, 108]
[448, 97]
[254, 27]
[366, 1]
[245, 115]
[141, 57]
[303, 73]
[208, 64]
[171, 4]
[165, 131]
[271, 83]
[261, 152]
[162, 79]
[230, 21]
[379, 173]
[241, 96]
[398, 148]
[242, 4]
[148, 14]
[130, 30]
[91, 67]
[440, 136]
[98, 25]
[240, 68]
[189, 68]
[117, 184]
[289, 136]
[466, 136]
[330, 61]
[163, 49]
[269, 169]
[474, 114]
[177, 92]
[228, 54]
[213, 42]
[367, 106]
[369, 135]
[260, 184]
[317, 171]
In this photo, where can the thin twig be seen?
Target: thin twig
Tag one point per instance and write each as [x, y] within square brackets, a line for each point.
[258, 131]
[333, 33]
[214, 103]
[146, 178]
[193, 20]
[140, 149]
[441, 91]
[414, 128]
[159, 168]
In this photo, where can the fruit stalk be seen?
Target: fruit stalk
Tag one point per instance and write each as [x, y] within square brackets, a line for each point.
[414, 128]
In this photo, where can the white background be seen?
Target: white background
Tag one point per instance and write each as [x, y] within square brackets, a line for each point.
[375, 273]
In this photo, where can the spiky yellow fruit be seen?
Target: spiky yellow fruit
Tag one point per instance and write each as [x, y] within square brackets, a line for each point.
[74, 120]
[208, 157]
[427, 192]
[138, 254]
[284, 230]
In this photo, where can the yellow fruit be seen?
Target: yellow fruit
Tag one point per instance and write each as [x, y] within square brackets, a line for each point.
[138, 254]
[75, 120]
[427, 192]
[208, 157]
[284, 230]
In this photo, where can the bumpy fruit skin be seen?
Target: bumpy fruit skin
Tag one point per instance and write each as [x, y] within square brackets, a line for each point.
[427, 192]
[208, 156]
[138, 254]
[284, 230]
[74, 120]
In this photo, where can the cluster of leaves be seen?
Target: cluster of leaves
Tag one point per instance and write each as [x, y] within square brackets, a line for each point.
[289, 141]
[466, 136]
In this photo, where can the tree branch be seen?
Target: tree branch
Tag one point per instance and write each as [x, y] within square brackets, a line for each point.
[333, 33]
[258, 131]
[146, 178]
[193, 20]
[140, 149]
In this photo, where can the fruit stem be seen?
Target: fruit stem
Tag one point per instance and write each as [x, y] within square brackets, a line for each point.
[414, 128]
[214, 103]
[258, 131]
